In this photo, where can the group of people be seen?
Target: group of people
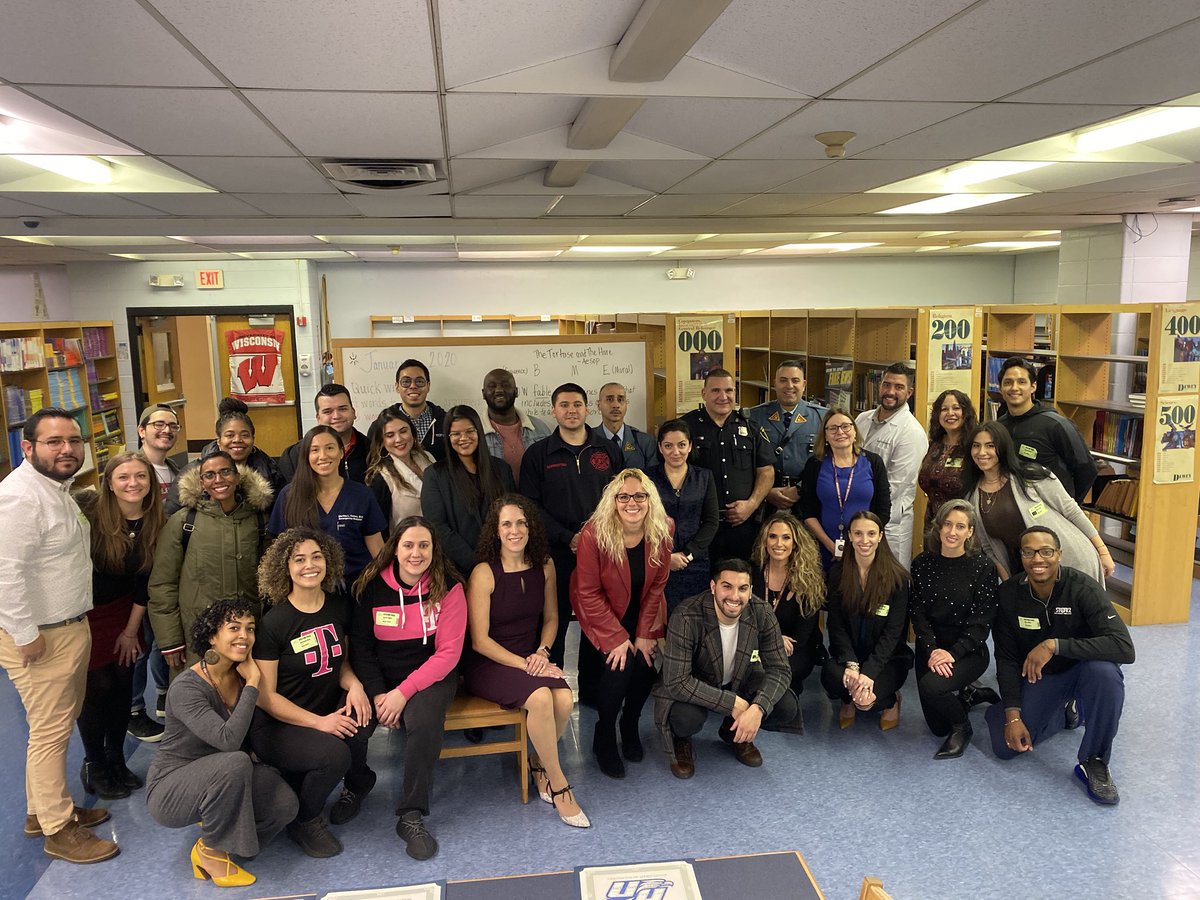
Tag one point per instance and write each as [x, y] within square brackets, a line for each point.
[293, 606]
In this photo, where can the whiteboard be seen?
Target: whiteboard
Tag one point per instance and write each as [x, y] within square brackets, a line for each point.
[367, 366]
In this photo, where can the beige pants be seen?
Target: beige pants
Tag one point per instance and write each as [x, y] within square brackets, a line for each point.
[52, 691]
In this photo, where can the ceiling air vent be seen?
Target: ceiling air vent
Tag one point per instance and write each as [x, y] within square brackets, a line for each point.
[381, 174]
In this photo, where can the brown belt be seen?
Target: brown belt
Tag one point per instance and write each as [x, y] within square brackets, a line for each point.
[70, 621]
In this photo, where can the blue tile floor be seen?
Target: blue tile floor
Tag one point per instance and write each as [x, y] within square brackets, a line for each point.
[853, 802]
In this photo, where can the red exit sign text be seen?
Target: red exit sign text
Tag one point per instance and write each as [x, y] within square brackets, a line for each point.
[209, 279]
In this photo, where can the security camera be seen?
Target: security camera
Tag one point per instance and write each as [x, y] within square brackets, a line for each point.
[31, 221]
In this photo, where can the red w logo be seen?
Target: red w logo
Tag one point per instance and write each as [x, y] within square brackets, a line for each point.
[257, 371]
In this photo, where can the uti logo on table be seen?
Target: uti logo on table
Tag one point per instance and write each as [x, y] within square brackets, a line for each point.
[639, 889]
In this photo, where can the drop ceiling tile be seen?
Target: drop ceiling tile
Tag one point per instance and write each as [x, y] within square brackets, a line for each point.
[989, 128]
[16, 205]
[847, 176]
[480, 40]
[552, 144]
[406, 255]
[300, 204]
[473, 174]
[1093, 176]
[596, 206]
[1145, 74]
[648, 174]
[480, 206]
[746, 176]
[375, 45]
[252, 175]
[515, 241]
[195, 204]
[533, 184]
[815, 50]
[1039, 203]
[688, 204]
[1005, 45]
[1180, 179]
[863, 204]
[383, 126]
[93, 43]
[87, 203]
[872, 121]
[709, 126]
[388, 205]
[171, 121]
[475, 121]
[776, 204]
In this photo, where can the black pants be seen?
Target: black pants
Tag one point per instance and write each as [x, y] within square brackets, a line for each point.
[564, 565]
[939, 696]
[619, 694]
[687, 719]
[105, 713]
[887, 682]
[424, 721]
[803, 660]
[312, 761]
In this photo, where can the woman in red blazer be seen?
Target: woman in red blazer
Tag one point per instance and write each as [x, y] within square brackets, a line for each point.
[622, 564]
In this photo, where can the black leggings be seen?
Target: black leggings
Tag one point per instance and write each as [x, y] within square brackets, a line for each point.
[620, 693]
[939, 696]
[887, 682]
[105, 713]
[312, 761]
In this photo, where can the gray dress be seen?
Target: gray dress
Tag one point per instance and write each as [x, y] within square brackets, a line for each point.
[200, 773]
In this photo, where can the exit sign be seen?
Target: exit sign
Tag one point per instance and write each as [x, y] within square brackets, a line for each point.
[209, 279]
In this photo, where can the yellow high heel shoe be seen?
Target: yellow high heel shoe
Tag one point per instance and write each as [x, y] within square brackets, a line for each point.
[216, 864]
[890, 717]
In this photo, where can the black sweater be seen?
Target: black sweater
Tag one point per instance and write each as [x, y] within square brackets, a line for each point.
[566, 481]
[871, 640]
[953, 603]
[1078, 615]
[1055, 443]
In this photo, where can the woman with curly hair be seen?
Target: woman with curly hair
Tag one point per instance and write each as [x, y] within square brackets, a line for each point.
[623, 562]
[396, 463]
[406, 640]
[951, 418]
[510, 591]
[202, 771]
[788, 575]
[313, 717]
[126, 516]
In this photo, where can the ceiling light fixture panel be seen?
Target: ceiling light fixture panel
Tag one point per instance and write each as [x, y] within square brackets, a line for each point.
[948, 203]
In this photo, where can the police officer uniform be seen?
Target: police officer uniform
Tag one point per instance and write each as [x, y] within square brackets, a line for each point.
[638, 449]
[791, 435]
[733, 452]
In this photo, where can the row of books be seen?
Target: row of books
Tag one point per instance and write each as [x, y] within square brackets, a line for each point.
[106, 447]
[64, 352]
[66, 389]
[96, 343]
[15, 454]
[20, 403]
[21, 353]
[1119, 495]
[1117, 434]
[996, 362]
[106, 422]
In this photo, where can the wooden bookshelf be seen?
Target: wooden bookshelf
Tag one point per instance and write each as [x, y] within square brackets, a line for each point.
[1026, 330]
[463, 326]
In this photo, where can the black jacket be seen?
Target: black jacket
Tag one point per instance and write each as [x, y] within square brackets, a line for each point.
[566, 481]
[1078, 615]
[873, 640]
[1053, 441]
[457, 522]
[354, 466]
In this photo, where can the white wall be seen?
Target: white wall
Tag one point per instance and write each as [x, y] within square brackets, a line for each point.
[357, 291]
[1194, 270]
[17, 292]
[1035, 277]
[103, 291]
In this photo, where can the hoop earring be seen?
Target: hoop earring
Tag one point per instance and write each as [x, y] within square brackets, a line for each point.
[211, 657]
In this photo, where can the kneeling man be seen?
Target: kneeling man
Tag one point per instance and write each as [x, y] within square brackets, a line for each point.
[1058, 639]
[724, 653]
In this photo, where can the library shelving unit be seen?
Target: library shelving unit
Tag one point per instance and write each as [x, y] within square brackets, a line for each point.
[1105, 355]
[460, 326]
[754, 371]
[67, 364]
[1026, 330]
[831, 336]
[881, 337]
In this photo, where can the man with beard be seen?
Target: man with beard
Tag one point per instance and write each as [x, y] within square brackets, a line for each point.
[45, 640]
[893, 432]
[507, 430]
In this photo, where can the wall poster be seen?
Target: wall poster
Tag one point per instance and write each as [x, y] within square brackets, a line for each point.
[698, 349]
[255, 373]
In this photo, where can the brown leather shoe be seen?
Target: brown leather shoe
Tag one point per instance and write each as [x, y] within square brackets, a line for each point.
[75, 844]
[684, 764]
[88, 818]
[747, 754]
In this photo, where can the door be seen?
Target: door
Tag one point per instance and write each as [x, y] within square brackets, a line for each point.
[263, 374]
[162, 381]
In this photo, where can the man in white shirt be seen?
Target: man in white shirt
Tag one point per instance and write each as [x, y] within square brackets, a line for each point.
[893, 432]
[45, 640]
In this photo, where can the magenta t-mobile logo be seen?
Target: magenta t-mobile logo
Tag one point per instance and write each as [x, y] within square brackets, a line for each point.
[327, 649]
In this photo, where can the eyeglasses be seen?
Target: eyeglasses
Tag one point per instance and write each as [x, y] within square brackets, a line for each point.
[639, 497]
[172, 427]
[412, 382]
[840, 429]
[463, 435]
[225, 473]
[1043, 552]
[57, 443]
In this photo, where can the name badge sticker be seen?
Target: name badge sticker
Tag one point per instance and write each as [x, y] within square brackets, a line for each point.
[304, 642]
[1037, 509]
[884, 609]
[387, 619]
[754, 657]
[1026, 451]
[955, 463]
[1029, 624]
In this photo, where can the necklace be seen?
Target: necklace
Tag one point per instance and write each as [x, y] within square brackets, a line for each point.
[988, 498]
[216, 687]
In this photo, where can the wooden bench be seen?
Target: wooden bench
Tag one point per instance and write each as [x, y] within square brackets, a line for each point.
[872, 889]
[473, 712]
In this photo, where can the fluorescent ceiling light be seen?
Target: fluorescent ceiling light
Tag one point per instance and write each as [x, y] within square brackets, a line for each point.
[508, 254]
[87, 169]
[822, 248]
[988, 170]
[948, 203]
[1136, 129]
[1016, 245]
[596, 248]
[824, 234]
[1191, 209]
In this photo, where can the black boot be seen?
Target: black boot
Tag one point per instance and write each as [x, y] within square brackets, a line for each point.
[97, 779]
[604, 745]
[957, 743]
[631, 741]
[122, 775]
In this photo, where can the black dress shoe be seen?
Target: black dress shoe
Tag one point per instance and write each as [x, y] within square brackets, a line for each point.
[121, 775]
[984, 695]
[958, 741]
[607, 756]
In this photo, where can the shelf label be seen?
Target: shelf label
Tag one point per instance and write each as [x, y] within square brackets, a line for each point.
[1179, 350]
[1175, 439]
[698, 347]
[951, 350]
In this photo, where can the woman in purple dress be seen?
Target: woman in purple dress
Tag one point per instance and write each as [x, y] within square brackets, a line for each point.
[509, 591]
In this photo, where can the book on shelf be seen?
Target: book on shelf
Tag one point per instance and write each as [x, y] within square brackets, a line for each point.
[15, 453]
[64, 352]
[1118, 434]
[96, 343]
[1119, 495]
[21, 353]
[66, 389]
